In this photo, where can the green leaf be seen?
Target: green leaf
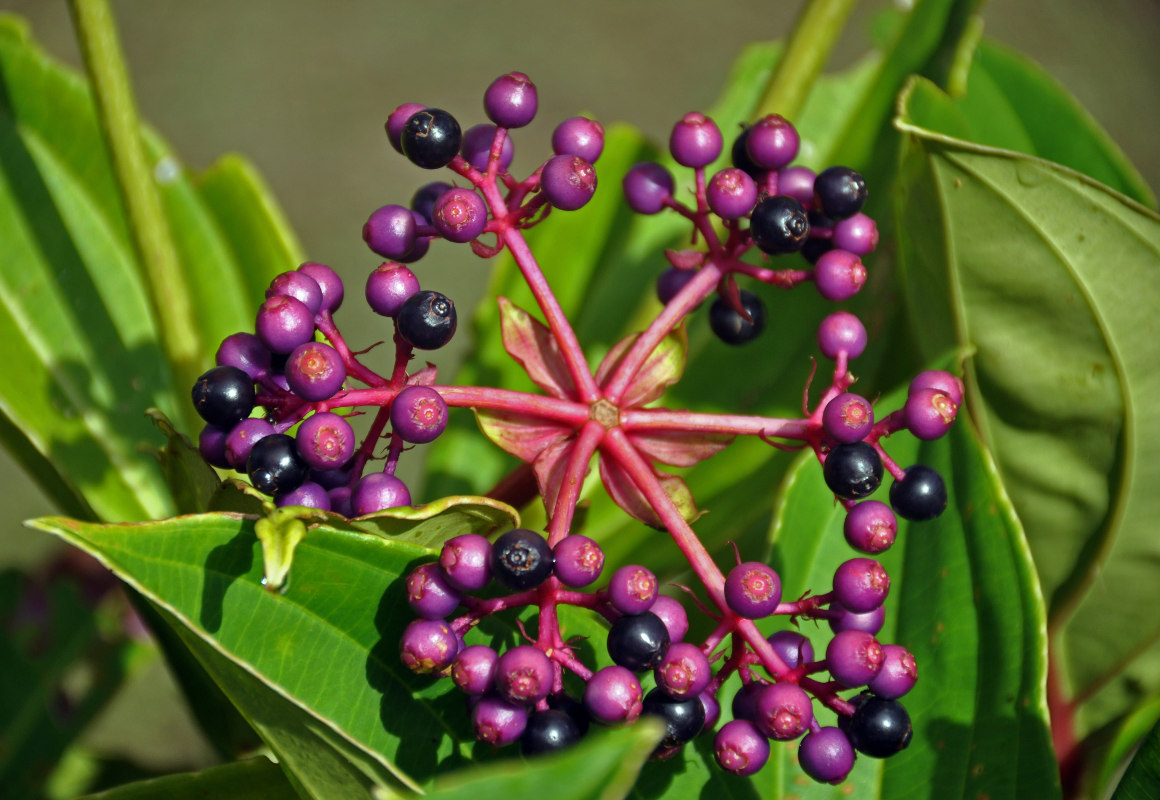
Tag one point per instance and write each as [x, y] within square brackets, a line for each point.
[1142, 780]
[965, 601]
[72, 304]
[604, 766]
[255, 779]
[192, 482]
[1056, 301]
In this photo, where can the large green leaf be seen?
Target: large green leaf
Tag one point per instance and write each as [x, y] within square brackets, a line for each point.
[1142, 778]
[255, 779]
[965, 600]
[1051, 280]
[72, 304]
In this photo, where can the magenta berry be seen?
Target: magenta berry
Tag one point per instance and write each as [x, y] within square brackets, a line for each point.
[929, 413]
[429, 592]
[861, 584]
[740, 749]
[854, 658]
[870, 527]
[848, 418]
[839, 275]
[579, 561]
[389, 286]
[941, 381]
[459, 215]
[283, 323]
[898, 675]
[510, 100]
[632, 589]
[242, 438]
[744, 704]
[390, 231]
[378, 492]
[473, 669]
[308, 495]
[793, 648]
[648, 187]
[497, 721]
[826, 755]
[476, 147]
[418, 414]
[211, 443]
[325, 441]
[841, 332]
[523, 675]
[783, 711]
[315, 371]
[673, 615]
[329, 283]
[428, 646]
[613, 695]
[731, 193]
[298, 285]
[752, 590]
[466, 561]
[398, 120]
[842, 619]
[695, 140]
[684, 671]
[579, 136]
[568, 182]
[244, 351]
[857, 234]
[772, 142]
[798, 183]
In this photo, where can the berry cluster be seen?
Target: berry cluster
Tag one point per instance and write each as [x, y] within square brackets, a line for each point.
[759, 209]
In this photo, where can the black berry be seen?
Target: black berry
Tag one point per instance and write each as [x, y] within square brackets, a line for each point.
[638, 641]
[879, 728]
[274, 465]
[427, 320]
[224, 396]
[431, 138]
[853, 471]
[739, 155]
[521, 559]
[841, 192]
[548, 731]
[920, 495]
[683, 718]
[732, 327]
[779, 225]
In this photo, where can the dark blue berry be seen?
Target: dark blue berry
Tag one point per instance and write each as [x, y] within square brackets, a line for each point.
[427, 320]
[731, 326]
[521, 559]
[274, 465]
[840, 191]
[638, 641]
[779, 225]
[431, 138]
[920, 495]
[224, 396]
[879, 728]
[853, 471]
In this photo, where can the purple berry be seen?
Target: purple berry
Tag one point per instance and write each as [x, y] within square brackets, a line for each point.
[428, 646]
[308, 495]
[861, 585]
[744, 704]
[839, 275]
[473, 670]
[579, 136]
[389, 286]
[390, 231]
[793, 648]
[283, 323]
[798, 183]
[242, 438]
[315, 371]
[418, 414]
[398, 120]
[921, 494]
[928, 413]
[328, 281]
[613, 696]
[857, 234]
[854, 658]
[422, 243]
[244, 351]
[939, 380]
[460, 215]
[739, 748]
[423, 200]
[842, 619]
[772, 142]
[712, 709]
[841, 332]
[826, 755]
[848, 418]
[731, 193]
[510, 100]
[325, 441]
[579, 561]
[298, 285]
[752, 590]
[524, 675]
[430, 139]
[870, 527]
[378, 492]
[671, 281]
[340, 501]
[673, 615]
[476, 147]
[466, 561]
[783, 711]
[684, 672]
[568, 182]
[211, 443]
[648, 187]
[632, 589]
[328, 477]
[695, 140]
[498, 722]
[898, 674]
[429, 592]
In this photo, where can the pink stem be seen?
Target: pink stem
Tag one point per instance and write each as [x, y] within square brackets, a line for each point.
[660, 420]
[582, 451]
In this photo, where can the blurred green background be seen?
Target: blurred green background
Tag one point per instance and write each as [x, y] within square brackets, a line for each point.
[302, 88]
